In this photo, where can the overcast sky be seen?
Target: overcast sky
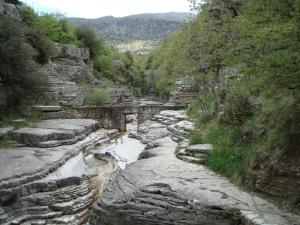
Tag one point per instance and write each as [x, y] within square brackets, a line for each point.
[99, 8]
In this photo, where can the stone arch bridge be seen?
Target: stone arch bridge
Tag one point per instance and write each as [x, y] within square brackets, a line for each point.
[114, 117]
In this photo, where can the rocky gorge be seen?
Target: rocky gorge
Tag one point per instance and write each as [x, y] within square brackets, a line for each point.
[87, 165]
[66, 171]
[48, 181]
[162, 189]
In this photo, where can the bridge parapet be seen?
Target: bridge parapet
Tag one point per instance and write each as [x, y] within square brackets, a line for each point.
[114, 117]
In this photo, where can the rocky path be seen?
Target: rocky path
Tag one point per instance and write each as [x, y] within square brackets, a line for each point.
[162, 189]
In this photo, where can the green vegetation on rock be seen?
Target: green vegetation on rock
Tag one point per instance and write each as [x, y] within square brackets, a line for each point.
[17, 74]
[96, 97]
[243, 56]
[28, 45]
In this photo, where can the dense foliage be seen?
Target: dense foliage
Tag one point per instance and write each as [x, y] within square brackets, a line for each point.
[244, 58]
[24, 45]
[17, 69]
[96, 96]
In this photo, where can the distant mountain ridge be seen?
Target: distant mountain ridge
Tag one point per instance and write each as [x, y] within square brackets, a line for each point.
[148, 26]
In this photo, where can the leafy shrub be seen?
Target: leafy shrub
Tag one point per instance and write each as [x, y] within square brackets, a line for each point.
[164, 87]
[103, 64]
[284, 128]
[56, 29]
[97, 97]
[17, 68]
[28, 15]
[237, 109]
[90, 40]
[42, 44]
[67, 32]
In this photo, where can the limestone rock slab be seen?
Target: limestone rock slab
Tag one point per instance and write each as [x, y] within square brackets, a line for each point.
[49, 186]
[200, 148]
[161, 189]
[53, 133]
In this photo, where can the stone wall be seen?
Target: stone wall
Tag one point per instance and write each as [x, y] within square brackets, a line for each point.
[111, 117]
[184, 94]
[71, 52]
[119, 95]
[114, 117]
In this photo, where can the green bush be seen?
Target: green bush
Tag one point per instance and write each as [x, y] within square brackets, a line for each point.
[42, 44]
[56, 29]
[284, 128]
[103, 64]
[28, 15]
[17, 75]
[90, 40]
[237, 109]
[96, 96]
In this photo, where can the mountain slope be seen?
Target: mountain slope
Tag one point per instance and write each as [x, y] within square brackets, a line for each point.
[136, 27]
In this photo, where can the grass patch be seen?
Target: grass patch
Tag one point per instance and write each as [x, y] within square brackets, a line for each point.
[30, 116]
[232, 150]
[229, 162]
[5, 143]
[96, 96]
[195, 137]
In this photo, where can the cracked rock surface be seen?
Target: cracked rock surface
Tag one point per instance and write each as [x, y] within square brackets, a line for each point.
[51, 185]
[53, 133]
[161, 189]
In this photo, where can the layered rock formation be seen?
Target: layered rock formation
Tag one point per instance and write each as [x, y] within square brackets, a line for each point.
[161, 189]
[184, 94]
[50, 185]
[53, 133]
[119, 95]
[194, 153]
[68, 65]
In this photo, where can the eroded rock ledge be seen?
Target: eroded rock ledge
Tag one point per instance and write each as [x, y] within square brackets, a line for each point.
[161, 189]
[50, 185]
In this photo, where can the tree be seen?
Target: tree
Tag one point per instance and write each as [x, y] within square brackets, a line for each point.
[90, 40]
[17, 69]
[15, 2]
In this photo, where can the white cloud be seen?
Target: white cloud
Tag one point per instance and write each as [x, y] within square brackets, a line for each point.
[99, 8]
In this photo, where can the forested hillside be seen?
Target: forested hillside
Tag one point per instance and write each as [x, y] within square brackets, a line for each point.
[135, 27]
[29, 42]
[243, 58]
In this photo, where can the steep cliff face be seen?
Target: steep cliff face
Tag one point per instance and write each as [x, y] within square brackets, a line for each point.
[66, 68]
